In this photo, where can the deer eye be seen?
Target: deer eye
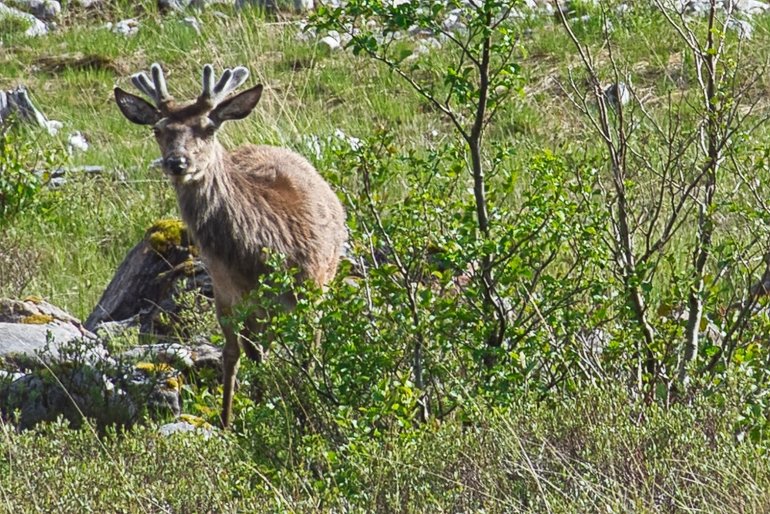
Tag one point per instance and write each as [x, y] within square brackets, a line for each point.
[208, 130]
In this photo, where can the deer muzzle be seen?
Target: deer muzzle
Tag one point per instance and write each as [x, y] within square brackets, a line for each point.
[176, 164]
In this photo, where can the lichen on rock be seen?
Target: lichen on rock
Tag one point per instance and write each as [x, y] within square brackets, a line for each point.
[37, 319]
[166, 233]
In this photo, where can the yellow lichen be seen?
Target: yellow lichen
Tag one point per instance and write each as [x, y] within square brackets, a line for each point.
[151, 367]
[37, 319]
[188, 267]
[33, 299]
[174, 383]
[195, 421]
[166, 233]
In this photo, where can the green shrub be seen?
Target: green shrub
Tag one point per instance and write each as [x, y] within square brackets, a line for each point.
[24, 170]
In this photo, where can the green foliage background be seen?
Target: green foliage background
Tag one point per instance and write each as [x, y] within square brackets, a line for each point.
[562, 415]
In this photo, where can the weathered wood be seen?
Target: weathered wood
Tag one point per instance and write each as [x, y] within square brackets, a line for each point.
[161, 266]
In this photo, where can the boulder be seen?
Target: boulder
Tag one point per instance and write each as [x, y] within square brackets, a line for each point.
[29, 339]
[110, 394]
[150, 279]
[46, 397]
[186, 358]
[27, 327]
[36, 26]
[17, 103]
[56, 368]
[46, 10]
[187, 424]
[127, 27]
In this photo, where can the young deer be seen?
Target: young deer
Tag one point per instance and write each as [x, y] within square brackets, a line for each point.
[237, 204]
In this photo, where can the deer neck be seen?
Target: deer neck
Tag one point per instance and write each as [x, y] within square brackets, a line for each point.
[205, 203]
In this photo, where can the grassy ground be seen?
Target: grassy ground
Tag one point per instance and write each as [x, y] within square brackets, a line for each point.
[308, 93]
[598, 451]
[98, 220]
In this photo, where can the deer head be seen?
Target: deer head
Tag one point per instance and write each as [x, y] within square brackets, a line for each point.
[186, 132]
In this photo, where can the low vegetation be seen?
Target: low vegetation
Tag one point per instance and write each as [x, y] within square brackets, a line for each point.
[554, 299]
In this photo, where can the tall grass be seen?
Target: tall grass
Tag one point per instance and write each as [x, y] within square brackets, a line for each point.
[598, 452]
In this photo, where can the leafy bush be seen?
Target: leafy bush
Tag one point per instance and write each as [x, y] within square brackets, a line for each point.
[24, 170]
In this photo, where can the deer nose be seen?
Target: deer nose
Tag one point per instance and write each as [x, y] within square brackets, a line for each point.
[176, 164]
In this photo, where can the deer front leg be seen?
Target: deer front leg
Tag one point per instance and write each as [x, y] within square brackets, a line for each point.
[231, 355]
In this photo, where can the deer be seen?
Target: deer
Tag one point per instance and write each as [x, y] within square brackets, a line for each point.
[239, 205]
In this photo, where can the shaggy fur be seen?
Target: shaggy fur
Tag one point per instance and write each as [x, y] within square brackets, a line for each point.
[237, 204]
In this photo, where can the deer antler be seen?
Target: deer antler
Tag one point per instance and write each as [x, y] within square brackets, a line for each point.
[230, 80]
[156, 90]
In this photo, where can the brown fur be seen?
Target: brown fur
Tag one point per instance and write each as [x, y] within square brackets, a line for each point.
[237, 204]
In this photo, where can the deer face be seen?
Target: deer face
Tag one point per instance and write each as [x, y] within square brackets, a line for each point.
[186, 147]
[186, 133]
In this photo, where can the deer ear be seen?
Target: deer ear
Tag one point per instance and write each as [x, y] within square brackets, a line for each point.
[136, 109]
[237, 107]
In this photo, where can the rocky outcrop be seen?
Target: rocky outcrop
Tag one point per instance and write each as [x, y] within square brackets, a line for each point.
[34, 26]
[16, 103]
[51, 367]
[146, 287]
[31, 326]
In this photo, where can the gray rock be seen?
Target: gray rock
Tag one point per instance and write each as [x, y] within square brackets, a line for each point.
[16, 103]
[173, 354]
[304, 5]
[206, 356]
[109, 331]
[702, 7]
[46, 10]
[35, 401]
[76, 142]
[109, 392]
[618, 94]
[748, 7]
[194, 357]
[127, 27]
[71, 374]
[29, 327]
[21, 311]
[10, 376]
[453, 22]
[185, 427]
[743, 28]
[70, 392]
[330, 42]
[622, 9]
[36, 26]
[29, 340]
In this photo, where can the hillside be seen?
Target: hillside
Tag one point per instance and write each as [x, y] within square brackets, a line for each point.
[554, 294]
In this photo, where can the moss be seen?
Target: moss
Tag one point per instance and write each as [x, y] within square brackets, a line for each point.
[195, 421]
[174, 383]
[37, 319]
[166, 233]
[151, 367]
[188, 267]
